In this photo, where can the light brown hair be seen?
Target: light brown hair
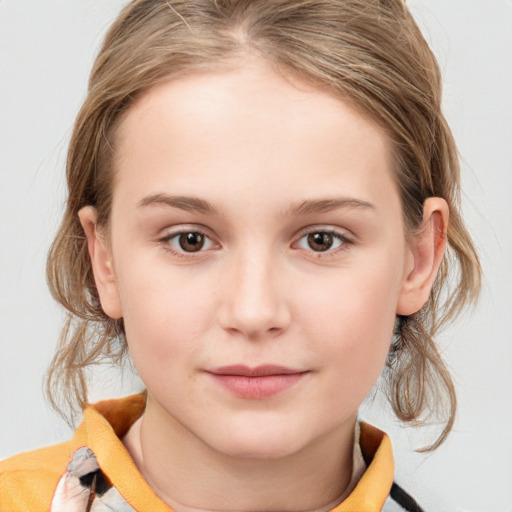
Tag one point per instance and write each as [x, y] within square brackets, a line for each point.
[370, 52]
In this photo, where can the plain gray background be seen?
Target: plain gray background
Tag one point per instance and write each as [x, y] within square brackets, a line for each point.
[46, 50]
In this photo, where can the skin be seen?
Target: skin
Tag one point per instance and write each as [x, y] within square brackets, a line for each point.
[266, 153]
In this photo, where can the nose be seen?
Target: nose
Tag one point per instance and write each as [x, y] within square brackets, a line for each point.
[254, 301]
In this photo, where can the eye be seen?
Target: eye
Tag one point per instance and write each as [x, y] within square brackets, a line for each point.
[322, 241]
[188, 241]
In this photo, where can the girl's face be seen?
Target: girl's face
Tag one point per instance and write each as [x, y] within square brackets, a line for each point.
[257, 256]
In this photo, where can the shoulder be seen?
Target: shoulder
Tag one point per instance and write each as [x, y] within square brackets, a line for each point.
[31, 481]
[28, 480]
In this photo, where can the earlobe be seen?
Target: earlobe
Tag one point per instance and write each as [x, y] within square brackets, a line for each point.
[427, 248]
[101, 262]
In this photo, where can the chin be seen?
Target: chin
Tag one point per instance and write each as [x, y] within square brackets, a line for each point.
[261, 439]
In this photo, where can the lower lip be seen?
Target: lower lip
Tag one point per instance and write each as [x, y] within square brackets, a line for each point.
[257, 388]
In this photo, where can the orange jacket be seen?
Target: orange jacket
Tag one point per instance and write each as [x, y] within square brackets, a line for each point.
[96, 462]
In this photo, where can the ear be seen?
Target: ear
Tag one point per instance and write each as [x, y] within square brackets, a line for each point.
[101, 262]
[427, 248]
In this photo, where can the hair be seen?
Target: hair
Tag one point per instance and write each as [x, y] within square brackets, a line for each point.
[369, 52]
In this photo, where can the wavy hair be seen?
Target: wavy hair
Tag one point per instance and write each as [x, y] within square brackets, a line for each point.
[370, 52]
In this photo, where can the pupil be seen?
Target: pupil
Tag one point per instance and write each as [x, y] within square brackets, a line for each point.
[191, 242]
[320, 241]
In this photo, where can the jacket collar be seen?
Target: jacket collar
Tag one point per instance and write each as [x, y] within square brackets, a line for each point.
[106, 422]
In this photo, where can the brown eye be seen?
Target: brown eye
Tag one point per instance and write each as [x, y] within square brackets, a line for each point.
[182, 243]
[323, 241]
[320, 241]
[191, 242]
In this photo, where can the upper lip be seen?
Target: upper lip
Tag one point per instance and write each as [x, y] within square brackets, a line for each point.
[257, 371]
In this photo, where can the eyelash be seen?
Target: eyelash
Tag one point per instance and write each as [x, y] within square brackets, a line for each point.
[342, 239]
[180, 252]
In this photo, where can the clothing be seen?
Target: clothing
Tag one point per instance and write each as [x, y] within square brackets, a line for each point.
[94, 472]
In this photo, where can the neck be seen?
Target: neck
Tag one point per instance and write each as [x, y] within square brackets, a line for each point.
[192, 477]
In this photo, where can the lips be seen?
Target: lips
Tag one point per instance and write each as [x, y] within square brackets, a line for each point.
[256, 383]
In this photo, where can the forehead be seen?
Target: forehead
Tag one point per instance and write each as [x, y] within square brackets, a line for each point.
[248, 125]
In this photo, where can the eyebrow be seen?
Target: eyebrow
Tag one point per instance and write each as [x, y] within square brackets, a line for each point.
[306, 207]
[181, 202]
[328, 205]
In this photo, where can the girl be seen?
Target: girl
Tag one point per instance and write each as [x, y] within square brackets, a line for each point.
[261, 199]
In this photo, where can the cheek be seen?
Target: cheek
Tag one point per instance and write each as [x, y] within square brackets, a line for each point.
[162, 337]
[163, 317]
[351, 325]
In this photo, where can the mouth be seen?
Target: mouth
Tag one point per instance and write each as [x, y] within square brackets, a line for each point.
[256, 383]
